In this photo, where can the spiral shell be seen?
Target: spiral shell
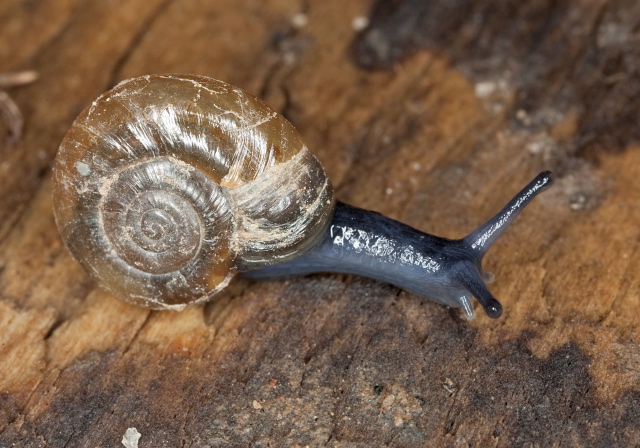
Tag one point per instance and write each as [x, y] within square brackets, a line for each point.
[168, 185]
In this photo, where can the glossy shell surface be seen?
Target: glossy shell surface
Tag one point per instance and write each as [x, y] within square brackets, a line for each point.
[168, 185]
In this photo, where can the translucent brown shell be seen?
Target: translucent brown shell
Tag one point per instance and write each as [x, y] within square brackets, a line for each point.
[168, 185]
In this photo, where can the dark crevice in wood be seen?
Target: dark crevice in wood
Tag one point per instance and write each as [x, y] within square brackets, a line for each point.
[135, 336]
[146, 25]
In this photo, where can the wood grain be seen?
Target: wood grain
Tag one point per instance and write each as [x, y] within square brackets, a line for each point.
[434, 114]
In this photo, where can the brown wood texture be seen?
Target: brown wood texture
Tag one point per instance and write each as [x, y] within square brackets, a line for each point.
[434, 114]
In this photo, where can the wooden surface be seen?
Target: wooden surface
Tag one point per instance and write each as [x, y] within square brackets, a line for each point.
[434, 114]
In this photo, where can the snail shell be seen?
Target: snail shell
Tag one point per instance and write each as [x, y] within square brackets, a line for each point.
[168, 185]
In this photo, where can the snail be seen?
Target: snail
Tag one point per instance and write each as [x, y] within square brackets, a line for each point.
[167, 186]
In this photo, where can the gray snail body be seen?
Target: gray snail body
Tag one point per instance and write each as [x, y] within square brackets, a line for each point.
[169, 185]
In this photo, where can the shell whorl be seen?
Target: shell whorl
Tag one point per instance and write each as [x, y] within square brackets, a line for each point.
[167, 185]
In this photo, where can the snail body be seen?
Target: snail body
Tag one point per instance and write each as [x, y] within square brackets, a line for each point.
[169, 185]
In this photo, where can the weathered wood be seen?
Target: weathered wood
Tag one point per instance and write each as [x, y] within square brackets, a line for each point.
[435, 114]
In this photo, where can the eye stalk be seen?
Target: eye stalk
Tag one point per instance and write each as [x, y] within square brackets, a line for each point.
[448, 271]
